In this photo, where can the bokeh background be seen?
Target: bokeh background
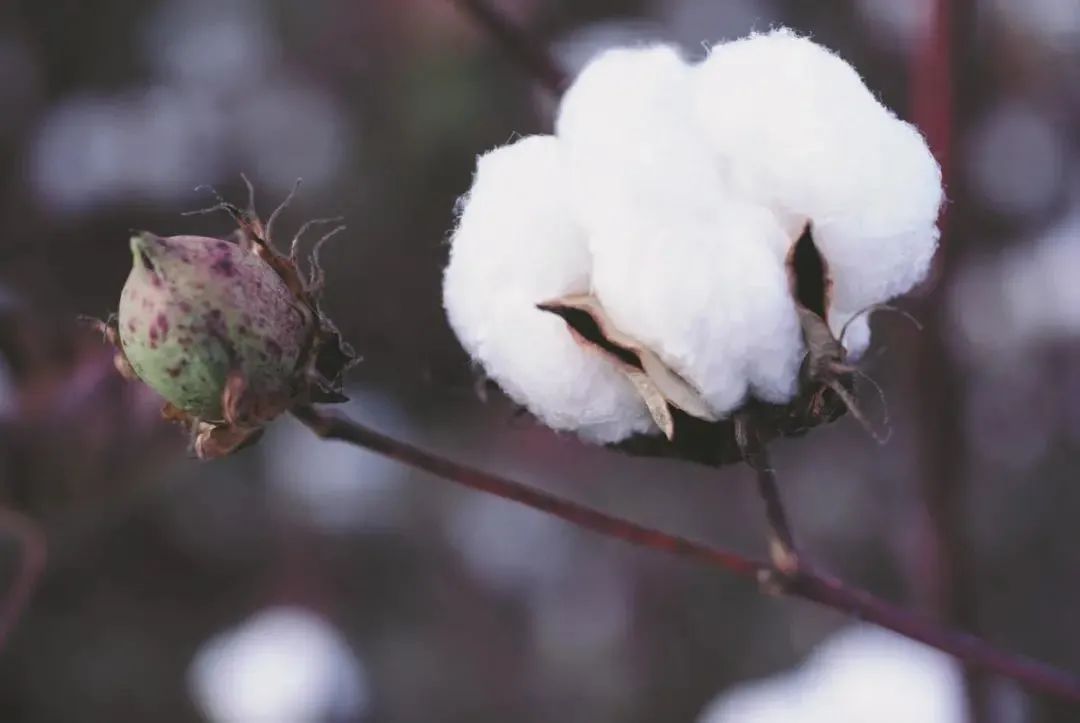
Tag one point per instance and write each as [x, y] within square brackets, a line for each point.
[309, 581]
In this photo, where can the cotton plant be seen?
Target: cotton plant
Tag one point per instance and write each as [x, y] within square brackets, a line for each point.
[695, 243]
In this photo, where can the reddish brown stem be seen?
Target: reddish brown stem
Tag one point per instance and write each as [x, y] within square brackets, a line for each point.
[940, 68]
[533, 57]
[32, 556]
[802, 583]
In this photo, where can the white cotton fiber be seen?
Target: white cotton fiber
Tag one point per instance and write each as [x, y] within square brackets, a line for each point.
[518, 244]
[707, 295]
[677, 263]
[630, 140]
[674, 193]
[793, 126]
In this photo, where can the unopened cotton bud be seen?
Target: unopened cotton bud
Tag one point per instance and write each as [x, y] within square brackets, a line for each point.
[195, 309]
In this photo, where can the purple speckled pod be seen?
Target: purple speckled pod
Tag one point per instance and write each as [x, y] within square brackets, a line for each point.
[194, 309]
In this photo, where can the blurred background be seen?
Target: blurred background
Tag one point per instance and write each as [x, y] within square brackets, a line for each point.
[308, 581]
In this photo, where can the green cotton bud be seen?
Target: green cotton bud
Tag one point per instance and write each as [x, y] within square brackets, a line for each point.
[195, 310]
[229, 332]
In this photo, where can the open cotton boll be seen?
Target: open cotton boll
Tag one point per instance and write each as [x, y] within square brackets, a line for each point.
[705, 292]
[793, 126]
[516, 245]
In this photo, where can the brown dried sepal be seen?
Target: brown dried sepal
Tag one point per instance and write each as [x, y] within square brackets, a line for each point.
[212, 441]
[663, 391]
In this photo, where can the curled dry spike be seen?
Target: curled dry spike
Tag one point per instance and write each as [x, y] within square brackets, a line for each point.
[294, 247]
[879, 307]
[316, 272]
[826, 366]
[277, 211]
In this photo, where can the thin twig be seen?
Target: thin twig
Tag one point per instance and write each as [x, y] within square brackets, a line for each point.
[32, 554]
[534, 57]
[782, 549]
[803, 583]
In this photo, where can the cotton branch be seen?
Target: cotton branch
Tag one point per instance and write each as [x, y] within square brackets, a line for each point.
[536, 60]
[940, 65]
[801, 582]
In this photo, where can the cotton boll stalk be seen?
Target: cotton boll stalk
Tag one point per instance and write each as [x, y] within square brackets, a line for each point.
[516, 245]
[793, 126]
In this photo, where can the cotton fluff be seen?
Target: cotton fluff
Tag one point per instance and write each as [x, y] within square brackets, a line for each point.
[674, 192]
[678, 263]
[517, 244]
[793, 126]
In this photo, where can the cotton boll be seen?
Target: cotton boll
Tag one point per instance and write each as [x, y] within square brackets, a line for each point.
[517, 244]
[793, 126]
[708, 296]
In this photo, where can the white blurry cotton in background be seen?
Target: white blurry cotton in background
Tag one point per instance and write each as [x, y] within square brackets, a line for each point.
[1003, 305]
[207, 43]
[284, 665]
[498, 541]
[143, 144]
[334, 486]
[860, 675]
[218, 103]
[1016, 159]
[688, 187]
